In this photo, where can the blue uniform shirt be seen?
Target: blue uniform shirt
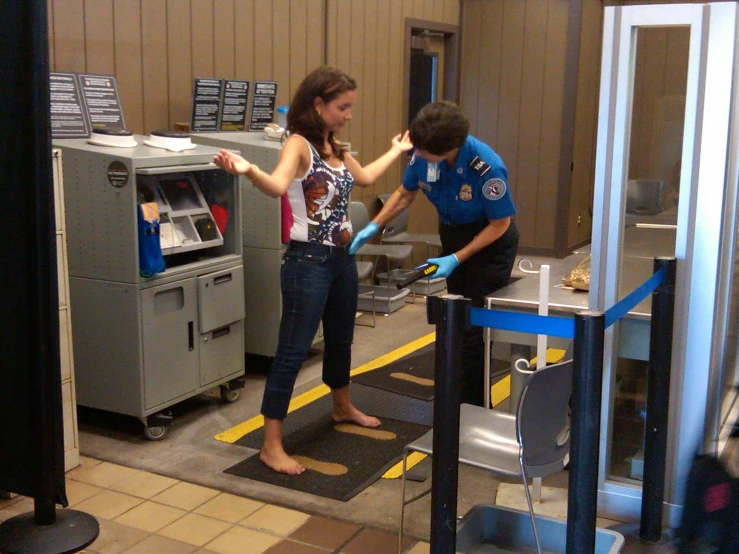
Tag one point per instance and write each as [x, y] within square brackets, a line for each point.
[476, 188]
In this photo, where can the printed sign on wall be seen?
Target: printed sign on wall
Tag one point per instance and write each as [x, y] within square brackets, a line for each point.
[263, 105]
[100, 94]
[68, 118]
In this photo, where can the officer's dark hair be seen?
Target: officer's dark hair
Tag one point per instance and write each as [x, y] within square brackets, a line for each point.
[439, 127]
[326, 83]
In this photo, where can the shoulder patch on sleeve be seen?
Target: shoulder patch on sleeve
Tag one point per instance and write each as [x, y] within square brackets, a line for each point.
[494, 189]
[479, 166]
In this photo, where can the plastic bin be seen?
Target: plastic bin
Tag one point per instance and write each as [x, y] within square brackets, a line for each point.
[387, 299]
[488, 529]
[422, 286]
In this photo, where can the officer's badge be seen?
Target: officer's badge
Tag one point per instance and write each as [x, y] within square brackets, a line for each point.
[494, 189]
[465, 193]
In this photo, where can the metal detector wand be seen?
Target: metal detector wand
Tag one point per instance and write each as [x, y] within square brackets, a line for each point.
[419, 272]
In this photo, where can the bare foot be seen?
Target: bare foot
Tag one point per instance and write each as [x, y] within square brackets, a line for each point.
[278, 460]
[352, 415]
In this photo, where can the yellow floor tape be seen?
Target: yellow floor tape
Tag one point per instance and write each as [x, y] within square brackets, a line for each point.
[235, 433]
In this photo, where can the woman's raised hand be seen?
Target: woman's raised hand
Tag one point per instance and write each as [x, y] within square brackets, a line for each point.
[231, 163]
[402, 143]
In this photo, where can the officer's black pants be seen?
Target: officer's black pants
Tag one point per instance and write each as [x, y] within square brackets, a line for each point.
[479, 276]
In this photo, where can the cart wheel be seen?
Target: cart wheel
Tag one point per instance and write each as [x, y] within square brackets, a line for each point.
[230, 395]
[155, 433]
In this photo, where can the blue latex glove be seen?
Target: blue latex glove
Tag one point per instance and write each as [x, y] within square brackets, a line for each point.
[361, 238]
[447, 264]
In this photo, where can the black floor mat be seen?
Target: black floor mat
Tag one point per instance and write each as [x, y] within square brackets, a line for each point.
[365, 458]
[412, 375]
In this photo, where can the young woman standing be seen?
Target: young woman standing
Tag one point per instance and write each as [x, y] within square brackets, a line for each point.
[318, 275]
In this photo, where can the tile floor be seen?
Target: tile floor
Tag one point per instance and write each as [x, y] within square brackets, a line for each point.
[144, 513]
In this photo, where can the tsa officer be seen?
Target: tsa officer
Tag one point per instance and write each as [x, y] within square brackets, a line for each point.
[467, 183]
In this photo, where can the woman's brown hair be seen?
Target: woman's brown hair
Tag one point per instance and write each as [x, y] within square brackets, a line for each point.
[302, 119]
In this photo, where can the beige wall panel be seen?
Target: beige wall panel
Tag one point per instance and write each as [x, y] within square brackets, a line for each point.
[490, 72]
[128, 62]
[551, 126]
[244, 41]
[154, 60]
[356, 70]
[451, 11]
[437, 10]
[395, 120]
[332, 34]
[201, 29]
[383, 130]
[69, 36]
[529, 132]
[281, 49]
[367, 93]
[224, 28]
[315, 35]
[586, 114]
[99, 37]
[298, 55]
[179, 63]
[509, 91]
[472, 53]
[263, 37]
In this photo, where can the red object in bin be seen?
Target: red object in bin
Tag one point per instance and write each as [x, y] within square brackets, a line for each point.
[220, 215]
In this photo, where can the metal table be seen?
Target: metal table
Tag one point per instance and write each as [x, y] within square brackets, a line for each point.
[523, 296]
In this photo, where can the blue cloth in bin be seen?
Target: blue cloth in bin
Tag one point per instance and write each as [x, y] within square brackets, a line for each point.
[151, 260]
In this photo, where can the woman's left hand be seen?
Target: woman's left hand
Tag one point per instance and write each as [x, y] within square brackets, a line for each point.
[402, 143]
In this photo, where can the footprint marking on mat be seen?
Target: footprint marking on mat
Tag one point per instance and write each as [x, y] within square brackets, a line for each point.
[413, 379]
[327, 468]
[365, 431]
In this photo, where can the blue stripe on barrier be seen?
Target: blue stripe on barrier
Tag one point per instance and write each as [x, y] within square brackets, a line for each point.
[617, 311]
[553, 326]
[557, 326]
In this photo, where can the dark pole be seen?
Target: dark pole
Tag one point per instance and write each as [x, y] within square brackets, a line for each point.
[587, 381]
[658, 401]
[450, 314]
[46, 531]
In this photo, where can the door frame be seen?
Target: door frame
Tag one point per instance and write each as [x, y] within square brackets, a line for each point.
[450, 89]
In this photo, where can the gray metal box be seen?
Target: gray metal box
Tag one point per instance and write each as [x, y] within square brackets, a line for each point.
[101, 201]
[143, 344]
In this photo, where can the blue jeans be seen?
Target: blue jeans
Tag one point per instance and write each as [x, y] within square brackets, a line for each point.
[318, 282]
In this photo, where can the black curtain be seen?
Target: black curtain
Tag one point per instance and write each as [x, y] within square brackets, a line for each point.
[31, 434]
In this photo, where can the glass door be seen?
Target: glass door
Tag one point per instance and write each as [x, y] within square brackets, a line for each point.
[665, 97]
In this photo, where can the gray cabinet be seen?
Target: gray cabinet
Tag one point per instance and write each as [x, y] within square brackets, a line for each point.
[168, 315]
[142, 344]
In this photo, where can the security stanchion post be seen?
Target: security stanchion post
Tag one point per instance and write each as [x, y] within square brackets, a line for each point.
[450, 314]
[587, 379]
[658, 398]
